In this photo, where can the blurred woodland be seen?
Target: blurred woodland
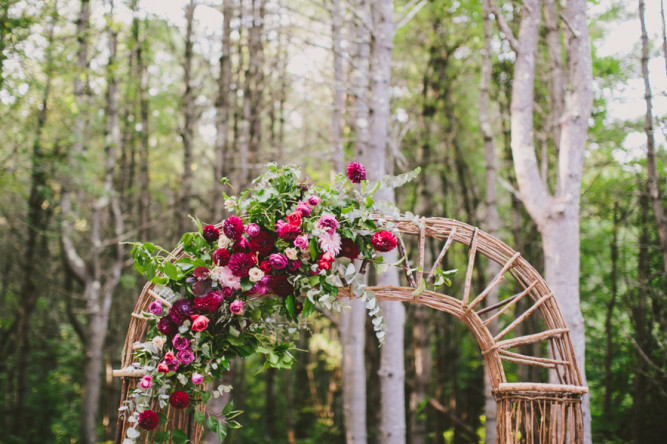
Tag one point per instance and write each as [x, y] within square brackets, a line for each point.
[119, 117]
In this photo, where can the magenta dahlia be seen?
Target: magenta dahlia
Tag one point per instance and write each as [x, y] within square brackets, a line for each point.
[209, 303]
[262, 244]
[356, 172]
[221, 257]
[210, 233]
[179, 400]
[384, 241]
[233, 227]
[148, 420]
[241, 263]
[289, 232]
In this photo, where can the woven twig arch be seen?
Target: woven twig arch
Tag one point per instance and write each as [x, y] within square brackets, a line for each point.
[527, 412]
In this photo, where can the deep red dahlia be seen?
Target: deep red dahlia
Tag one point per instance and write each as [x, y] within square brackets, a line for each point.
[281, 286]
[166, 326]
[241, 245]
[210, 233]
[241, 263]
[181, 310]
[201, 272]
[289, 232]
[221, 257]
[349, 249]
[233, 227]
[262, 244]
[384, 241]
[148, 420]
[209, 303]
[179, 400]
[356, 172]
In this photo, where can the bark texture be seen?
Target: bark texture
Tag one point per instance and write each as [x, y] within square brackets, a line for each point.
[557, 216]
[492, 219]
[651, 167]
[392, 364]
[187, 133]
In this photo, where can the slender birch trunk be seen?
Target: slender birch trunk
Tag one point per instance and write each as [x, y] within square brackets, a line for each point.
[222, 109]
[392, 365]
[653, 177]
[492, 219]
[352, 322]
[557, 216]
[337, 155]
[187, 133]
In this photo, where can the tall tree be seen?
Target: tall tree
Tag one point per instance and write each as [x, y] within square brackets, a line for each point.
[100, 275]
[492, 219]
[557, 215]
[36, 248]
[392, 365]
[187, 133]
[352, 321]
[223, 114]
[651, 167]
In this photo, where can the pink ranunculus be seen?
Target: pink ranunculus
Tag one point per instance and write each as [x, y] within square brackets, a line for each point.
[199, 323]
[155, 308]
[197, 378]
[236, 307]
[146, 382]
[328, 222]
[185, 356]
[227, 292]
[252, 230]
[304, 208]
[279, 224]
[162, 368]
[180, 343]
[301, 242]
[314, 200]
[278, 261]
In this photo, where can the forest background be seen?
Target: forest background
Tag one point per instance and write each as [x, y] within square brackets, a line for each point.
[119, 117]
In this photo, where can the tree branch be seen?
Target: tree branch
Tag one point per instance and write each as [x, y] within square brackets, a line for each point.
[407, 17]
[504, 27]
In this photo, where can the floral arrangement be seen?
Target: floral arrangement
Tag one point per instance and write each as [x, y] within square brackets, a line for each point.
[287, 238]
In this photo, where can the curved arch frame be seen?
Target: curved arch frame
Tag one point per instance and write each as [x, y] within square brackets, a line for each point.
[527, 411]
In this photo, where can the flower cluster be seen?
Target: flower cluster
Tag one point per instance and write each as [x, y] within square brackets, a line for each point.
[286, 238]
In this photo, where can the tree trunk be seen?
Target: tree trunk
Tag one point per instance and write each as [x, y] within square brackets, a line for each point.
[257, 97]
[36, 246]
[392, 365]
[337, 155]
[352, 321]
[639, 388]
[651, 167]
[609, 376]
[492, 220]
[557, 217]
[222, 109]
[187, 134]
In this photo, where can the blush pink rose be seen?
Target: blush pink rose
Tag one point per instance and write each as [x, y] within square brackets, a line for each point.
[199, 323]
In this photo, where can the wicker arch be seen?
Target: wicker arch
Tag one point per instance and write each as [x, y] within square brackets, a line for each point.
[527, 412]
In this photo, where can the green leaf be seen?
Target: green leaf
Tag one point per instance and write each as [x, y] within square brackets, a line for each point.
[228, 408]
[313, 249]
[199, 417]
[419, 290]
[162, 418]
[308, 308]
[161, 436]
[289, 305]
[222, 432]
[246, 285]
[234, 425]
[170, 270]
[212, 423]
[179, 437]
